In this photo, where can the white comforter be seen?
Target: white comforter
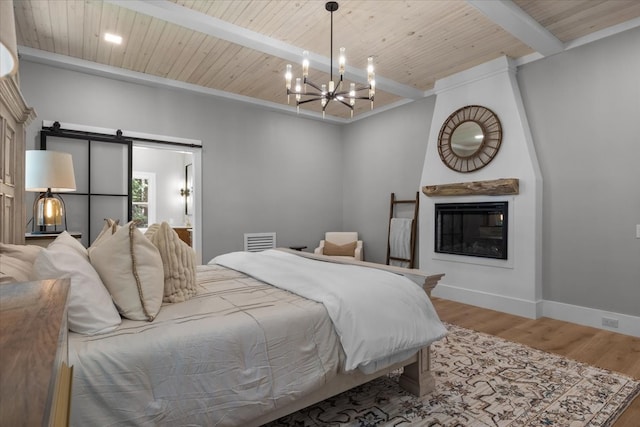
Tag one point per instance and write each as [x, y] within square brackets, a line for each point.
[376, 314]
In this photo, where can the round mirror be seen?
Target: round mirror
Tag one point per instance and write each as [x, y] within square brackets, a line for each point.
[469, 139]
[466, 139]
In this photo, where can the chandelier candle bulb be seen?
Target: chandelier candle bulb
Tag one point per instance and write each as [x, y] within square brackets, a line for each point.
[305, 64]
[287, 76]
[370, 72]
[341, 61]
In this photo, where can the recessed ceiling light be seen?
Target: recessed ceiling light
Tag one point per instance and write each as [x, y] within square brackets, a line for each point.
[112, 38]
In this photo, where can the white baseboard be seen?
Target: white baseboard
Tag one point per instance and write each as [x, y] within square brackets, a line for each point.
[628, 325]
[516, 306]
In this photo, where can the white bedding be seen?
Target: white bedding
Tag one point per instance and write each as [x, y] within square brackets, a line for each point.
[224, 357]
[376, 313]
[242, 348]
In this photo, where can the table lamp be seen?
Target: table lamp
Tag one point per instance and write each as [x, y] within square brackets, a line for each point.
[49, 172]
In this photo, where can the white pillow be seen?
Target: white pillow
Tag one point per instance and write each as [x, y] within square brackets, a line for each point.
[90, 310]
[72, 243]
[178, 261]
[131, 268]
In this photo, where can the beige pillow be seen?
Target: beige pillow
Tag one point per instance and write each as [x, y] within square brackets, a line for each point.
[348, 249]
[178, 261]
[26, 253]
[109, 228]
[131, 268]
[14, 269]
[16, 262]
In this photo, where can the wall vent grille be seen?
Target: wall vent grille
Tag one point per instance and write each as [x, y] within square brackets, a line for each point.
[256, 242]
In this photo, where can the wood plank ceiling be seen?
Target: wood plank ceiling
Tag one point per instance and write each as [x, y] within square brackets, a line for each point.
[241, 48]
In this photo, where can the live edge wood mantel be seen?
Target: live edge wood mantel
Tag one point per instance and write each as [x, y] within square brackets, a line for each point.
[495, 187]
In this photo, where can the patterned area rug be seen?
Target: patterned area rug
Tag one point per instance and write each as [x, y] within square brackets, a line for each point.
[482, 380]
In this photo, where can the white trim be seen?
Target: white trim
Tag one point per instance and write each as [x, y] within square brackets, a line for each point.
[483, 71]
[196, 233]
[581, 41]
[107, 71]
[515, 306]
[628, 325]
[604, 33]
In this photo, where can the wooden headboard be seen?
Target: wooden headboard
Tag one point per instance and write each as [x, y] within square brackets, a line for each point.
[15, 116]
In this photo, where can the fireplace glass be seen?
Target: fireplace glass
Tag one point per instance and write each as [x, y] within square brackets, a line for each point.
[473, 229]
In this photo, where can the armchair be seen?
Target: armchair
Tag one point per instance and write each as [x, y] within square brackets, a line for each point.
[343, 244]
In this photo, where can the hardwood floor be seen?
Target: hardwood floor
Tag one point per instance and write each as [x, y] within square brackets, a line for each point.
[608, 350]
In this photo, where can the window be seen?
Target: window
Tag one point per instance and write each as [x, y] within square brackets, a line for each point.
[143, 191]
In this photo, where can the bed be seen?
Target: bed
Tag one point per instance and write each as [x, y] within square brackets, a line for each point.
[257, 341]
[241, 352]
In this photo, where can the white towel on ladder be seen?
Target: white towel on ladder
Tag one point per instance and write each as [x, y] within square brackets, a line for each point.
[400, 240]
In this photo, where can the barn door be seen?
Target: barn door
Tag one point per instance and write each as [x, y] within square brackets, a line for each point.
[102, 166]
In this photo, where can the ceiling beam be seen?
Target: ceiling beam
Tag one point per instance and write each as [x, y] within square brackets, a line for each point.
[516, 21]
[203, 23]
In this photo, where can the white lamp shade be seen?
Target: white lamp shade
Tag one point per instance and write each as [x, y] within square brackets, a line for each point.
[8, 45]
[49, 170]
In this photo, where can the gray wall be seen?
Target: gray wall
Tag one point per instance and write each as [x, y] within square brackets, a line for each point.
[273, 172]
[383, 154]
[262, 171]
[583, 108]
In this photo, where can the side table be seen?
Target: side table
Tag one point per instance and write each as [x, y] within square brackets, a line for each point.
[43, 239]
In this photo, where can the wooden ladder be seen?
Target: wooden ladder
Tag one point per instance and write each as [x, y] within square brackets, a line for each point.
[392, 206]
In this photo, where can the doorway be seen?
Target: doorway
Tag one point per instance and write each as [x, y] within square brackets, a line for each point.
[124, 174]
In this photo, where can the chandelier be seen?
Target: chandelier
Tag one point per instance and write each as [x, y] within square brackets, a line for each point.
[326, 93]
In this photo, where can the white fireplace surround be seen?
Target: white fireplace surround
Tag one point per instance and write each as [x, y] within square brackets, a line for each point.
[513, 285]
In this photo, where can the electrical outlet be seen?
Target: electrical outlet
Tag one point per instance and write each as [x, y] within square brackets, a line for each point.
[609, 322]
[637, 231]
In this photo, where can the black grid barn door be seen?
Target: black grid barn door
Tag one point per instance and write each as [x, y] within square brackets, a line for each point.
[103, 170]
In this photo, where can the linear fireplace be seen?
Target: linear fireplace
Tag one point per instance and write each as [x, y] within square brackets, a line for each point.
[473, 229]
